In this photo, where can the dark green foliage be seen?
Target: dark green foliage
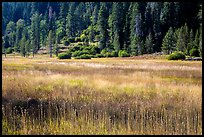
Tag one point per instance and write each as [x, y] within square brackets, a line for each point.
[77, 39]
[103, 26]
[79, 53]
[169, 42]
[194, 52]
[99, 56]
[137, 27]
[123, 53]
[83, 56]
[71, 40]
[9, 50]
[66, 42]
[176, 56]
[64, 56]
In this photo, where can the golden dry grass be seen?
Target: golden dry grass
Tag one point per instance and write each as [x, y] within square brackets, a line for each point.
[110, 96]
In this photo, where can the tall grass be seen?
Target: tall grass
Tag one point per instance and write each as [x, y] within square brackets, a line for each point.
[80, 99]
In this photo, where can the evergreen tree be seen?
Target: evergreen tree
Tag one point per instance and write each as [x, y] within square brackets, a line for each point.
[19, 29]
[22, 46]
[35, 32]
[148, 20]
[149, 44]
[56, 47]
[43, 32]
[103, 26]
[116, 42]
[10, 32]
[200, 44]
[62, 19]
[91, 34]
[3, 45]
[50, 40]
[115, 23]
[27, 48]
[169, 42]
[157, 31]
[95, 15]
[190, 44]
[197, 40]
[133, 34]
[126, 26]
[70, 21]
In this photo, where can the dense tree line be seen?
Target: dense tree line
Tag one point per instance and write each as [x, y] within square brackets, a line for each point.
[134, 27]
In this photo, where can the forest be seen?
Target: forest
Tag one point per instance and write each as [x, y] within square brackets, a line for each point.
[102, 29]
[102, 68]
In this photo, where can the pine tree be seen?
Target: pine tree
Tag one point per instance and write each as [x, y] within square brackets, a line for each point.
[149, 44]
[196, 40]
[27, 48]
[19, 29]
[62, 19]
[148, 20]
[116, 42]
[95, 15]
[56, 47]
[115, 23]
[10, 31]
[3, 45]
[157, 31]
[22, 46]
[183, 39]
[133, 34]
[126, 26]
[200, 44]
[190, 44]
[50, 40]
[70, 21]
[35, 32]
[136, 31]
[43, 32]
[103, 26]
[169, 42]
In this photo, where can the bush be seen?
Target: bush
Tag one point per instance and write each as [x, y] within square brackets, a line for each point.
[123, 53]
[176, 56]
[66, 42]
[194, 52]
[79, 53]
[77, 39]
[71, 40]
[99, 56]
[9, 50]
[83, 56]
[75, 48]
[66, 55]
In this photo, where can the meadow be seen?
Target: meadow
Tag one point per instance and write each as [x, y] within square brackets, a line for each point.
[141, 95]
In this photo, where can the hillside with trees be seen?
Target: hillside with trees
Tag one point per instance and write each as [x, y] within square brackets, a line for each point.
[102, 29]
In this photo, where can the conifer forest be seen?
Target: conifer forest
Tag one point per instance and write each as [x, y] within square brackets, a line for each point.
[102, 68]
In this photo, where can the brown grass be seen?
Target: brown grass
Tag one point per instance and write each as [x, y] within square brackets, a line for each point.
[103, 96]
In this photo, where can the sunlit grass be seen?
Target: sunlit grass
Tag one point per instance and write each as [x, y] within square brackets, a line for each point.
[114, 99]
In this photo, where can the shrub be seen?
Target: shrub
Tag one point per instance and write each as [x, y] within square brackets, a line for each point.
[97, 38]
[9, 50]
[79, 53]
[75, 48]
[83, 56]
[123, 53]
[71, 40]
[99, 56]
[77, 39]
[66, 42]
[176, 56]
[194, 52]
[66, 55]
